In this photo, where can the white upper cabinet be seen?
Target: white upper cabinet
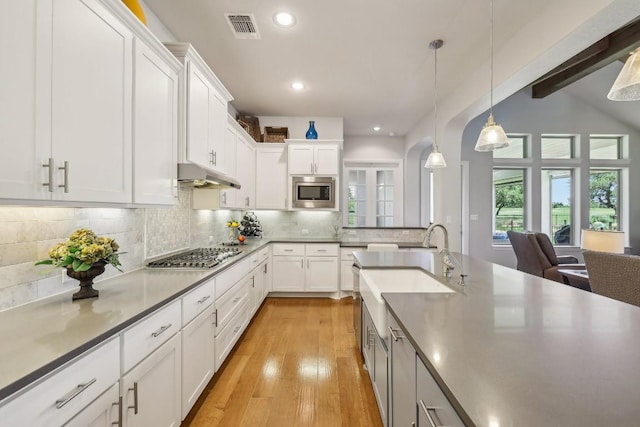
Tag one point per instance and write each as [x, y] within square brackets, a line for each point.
[314, 158]
[203, 109]
[90, 79]
[155, 125]
[271, 177]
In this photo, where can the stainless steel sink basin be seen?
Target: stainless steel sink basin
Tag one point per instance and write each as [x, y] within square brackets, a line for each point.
[374, 282]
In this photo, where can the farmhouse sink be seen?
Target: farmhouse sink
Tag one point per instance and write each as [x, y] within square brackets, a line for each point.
[374, 282]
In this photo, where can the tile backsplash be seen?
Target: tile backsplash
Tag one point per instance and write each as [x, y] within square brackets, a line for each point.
[27, 234]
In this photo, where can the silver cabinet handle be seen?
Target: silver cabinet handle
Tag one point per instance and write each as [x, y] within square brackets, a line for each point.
[215, 322]
[316, 168]
[49, 165]
[65, 168]
[135, 398]
[288, 250]
[72, 394]
[301, 263]
[253, 281]
[265, 269]
[246, 201]
[224, 198]
[160, 330]
[394, 336]
[215, 158]
[119, 404]
[307, 264]
[426, 410]
[211, 157]
[203, 299]
[311, 167]
[236, 329]
[235, 300]
[321, 250]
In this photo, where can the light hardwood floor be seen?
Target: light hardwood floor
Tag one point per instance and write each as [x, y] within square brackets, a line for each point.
[296, 365]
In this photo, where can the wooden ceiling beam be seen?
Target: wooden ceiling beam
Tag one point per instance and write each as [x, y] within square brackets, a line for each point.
[615, 46]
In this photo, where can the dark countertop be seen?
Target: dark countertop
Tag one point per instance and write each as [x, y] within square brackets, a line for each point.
[513, 349]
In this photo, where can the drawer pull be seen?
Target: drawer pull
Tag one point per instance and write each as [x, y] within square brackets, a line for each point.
[215, 322]
[65, 168]
[237, 328]
[119, 404]
[161, 330]
[235, 300]
[72, 394]
[135, 398]
[321, 250]
[203, 299]
[288, 250]
[426, 410]
[394, 336]
[49, 184]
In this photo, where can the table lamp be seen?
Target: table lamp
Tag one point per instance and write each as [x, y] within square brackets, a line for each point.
[603, 241]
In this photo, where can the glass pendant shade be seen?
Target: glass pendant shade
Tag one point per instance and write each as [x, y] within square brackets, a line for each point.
[435, 161]
[492, 136]
[627, 85]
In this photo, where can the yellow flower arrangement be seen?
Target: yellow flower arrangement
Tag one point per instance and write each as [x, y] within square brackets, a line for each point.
[82, 249]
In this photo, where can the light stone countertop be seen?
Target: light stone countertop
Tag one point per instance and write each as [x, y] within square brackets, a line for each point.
[512, 349]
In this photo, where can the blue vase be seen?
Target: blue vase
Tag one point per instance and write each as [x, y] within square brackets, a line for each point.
[311, 132]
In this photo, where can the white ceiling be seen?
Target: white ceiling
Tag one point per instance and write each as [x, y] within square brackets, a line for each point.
[365, 60]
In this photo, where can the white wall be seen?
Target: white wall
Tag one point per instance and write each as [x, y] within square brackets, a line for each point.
[373, 148]
[559, 113]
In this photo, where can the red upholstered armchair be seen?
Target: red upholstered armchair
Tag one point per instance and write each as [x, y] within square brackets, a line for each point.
[536, 255]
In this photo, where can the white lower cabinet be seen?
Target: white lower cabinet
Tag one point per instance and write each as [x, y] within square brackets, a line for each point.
[305, 267]
[68, 391]
[151, 390]
[198, 359]
[105, 411]
[228, 336]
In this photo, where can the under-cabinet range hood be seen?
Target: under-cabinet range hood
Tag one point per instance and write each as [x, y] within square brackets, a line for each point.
[203, 177]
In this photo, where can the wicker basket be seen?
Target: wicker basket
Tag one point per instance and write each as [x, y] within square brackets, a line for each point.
[275, 134]
[251, 124]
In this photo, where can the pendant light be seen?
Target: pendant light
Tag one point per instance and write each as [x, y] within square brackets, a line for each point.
[627, 84]
[492, 136]
[435, 159]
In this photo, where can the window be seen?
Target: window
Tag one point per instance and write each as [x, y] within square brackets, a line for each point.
[604, 147]
[604, 199]
[557, 147]
[374, 194]
[508, 196]
[557, 205]
[517, 149]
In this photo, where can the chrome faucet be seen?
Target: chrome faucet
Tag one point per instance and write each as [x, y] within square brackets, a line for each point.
[445, 256]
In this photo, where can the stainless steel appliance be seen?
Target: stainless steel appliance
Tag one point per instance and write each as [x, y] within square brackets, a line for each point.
[357, 305]
[201, 258]
[314, 192]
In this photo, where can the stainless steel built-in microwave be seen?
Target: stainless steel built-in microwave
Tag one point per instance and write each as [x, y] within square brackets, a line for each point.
[314, 192]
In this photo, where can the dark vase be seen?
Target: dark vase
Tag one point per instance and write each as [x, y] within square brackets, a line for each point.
[86, 280]
[311, 132]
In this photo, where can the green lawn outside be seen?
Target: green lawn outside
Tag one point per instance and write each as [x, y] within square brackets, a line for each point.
[511, 218]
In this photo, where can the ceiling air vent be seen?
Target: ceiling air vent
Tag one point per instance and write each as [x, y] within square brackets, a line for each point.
[243, 25]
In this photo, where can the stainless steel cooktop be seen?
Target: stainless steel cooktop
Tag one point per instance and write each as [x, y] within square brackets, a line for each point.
[201, 258]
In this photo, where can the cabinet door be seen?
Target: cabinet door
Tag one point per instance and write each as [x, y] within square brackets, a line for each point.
[198, 358]
[21, 171]
[380, 375]
[102, 412]
[346, 276]
[322, 274]
[199, 105]
[326, 160]
[402, 377]
[300, 160]
[288, 273]
[228, 197]
[245, 172]
[91, 76]
[151, 391]
[155, 145]
[271, 178]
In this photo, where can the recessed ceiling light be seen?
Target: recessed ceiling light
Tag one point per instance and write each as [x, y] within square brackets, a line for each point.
[284, 19]
[297, 85]
[376, 128]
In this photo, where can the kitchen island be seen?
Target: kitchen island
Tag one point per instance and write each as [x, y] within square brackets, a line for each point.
[512, 349]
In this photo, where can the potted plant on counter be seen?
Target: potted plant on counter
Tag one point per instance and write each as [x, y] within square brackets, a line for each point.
[85, 257]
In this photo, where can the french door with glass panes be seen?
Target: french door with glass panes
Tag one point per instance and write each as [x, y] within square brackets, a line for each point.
[373, 195]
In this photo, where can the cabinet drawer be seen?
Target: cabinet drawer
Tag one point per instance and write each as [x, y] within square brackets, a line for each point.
[432, 403]
[228, 336]
[61, 396]
[196, 301]
[346, 254]
[229, 302]
[264, 254]
[149, 333]
[288, 249]
[231, 276]
[322, 249]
